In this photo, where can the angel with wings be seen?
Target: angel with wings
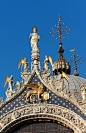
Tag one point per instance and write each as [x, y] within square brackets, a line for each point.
[24, 63]
[46, 63]
[10, 80]
[9, 91]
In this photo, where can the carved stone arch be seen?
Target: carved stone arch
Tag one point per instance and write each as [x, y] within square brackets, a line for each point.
[41, 117]
[48, 112]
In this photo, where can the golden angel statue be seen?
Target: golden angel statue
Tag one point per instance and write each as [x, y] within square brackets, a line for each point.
[24, 63]
[46, 62]
[10, 80]
[9, 91]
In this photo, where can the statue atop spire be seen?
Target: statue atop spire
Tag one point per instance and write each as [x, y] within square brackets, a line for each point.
[35, 51]
[34, 39]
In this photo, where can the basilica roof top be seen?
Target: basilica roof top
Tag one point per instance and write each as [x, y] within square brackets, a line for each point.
[38, 87]
[74, 84]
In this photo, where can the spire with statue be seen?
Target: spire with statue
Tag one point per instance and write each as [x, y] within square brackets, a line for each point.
[34, 45]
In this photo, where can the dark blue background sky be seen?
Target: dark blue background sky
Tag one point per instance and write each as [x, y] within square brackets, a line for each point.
[17, 17]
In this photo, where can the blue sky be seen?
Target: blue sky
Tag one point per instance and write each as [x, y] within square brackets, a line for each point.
[17, 17]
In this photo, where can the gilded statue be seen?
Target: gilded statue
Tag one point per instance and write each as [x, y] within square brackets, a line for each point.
[25, 63]
[10, 80]
[63, 75]
[9, 91]
[46, 73]
[37, 89]
[46, 63]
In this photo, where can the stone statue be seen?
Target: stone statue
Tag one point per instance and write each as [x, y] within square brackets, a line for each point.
[52, 82]
[26, 67]
[18, 85]
[26, 72]
[46, 63]
[25, 63]
[47, 71]
[83, 92]
[9, 91]
[74, 95]
[34, 39]
[62, 89]
[9, 80]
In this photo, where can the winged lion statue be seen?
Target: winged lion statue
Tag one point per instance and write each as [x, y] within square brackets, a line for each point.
[37, 89]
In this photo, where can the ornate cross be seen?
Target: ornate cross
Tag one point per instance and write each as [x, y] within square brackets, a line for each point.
[60, 31]
[75, 61]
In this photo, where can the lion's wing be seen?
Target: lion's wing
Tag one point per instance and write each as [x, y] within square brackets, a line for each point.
[32, 86]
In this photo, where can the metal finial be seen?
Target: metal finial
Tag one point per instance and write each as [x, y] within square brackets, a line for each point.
[60, 31]
[75, 61]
